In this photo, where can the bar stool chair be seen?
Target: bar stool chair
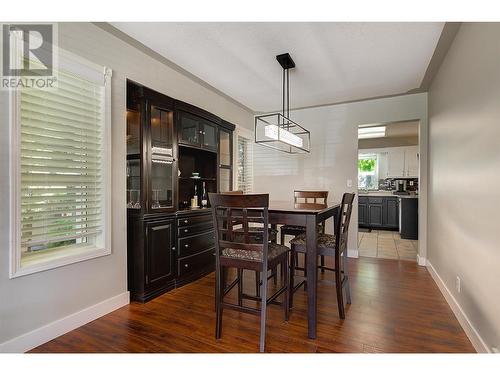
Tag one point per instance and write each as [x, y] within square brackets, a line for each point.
[249, 249]
[305, 199]
[334, 246]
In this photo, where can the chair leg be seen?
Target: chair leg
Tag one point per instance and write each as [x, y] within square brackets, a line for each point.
[322, 262]
[338, 287]
[219, 297]
[286, 299]
[275, 275]
[240, 287]
[346, 277]
[291, 283]
[257, 283]
[263, 308]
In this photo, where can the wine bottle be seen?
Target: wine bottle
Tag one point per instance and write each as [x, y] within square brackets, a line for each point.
[204, 197]
[194, 200]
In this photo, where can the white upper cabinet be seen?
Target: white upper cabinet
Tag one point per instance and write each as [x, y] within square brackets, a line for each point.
[411, 161]
[396, 162]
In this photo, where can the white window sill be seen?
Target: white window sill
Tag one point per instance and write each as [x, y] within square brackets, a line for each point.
[61, 257]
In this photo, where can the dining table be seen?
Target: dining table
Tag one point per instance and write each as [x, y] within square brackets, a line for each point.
[308, 216]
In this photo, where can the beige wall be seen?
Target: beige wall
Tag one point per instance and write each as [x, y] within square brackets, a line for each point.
[464, 197]
[334, 152]
[29, 302]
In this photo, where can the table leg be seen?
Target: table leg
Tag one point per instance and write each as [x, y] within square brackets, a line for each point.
[312, 265]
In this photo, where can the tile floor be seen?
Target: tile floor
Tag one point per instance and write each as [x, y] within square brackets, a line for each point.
[387, 245]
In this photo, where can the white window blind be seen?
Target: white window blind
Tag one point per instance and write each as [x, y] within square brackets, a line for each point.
[245, 164]
[62, 163]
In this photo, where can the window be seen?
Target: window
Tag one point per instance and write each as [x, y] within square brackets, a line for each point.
[368, 171]
[59, 168]
[245, 164]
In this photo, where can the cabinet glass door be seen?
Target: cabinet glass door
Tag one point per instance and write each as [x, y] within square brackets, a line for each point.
[225, 176]
[225, 147]
[162, 159]
[134, 158]
[189, 130]
[209, 136]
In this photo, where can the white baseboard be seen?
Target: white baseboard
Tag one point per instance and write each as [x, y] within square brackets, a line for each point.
[353, 253]
[55, 329]
[464, 321]
[421, 261]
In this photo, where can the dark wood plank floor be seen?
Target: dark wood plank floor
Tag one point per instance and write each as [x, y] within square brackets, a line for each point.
[396, 307]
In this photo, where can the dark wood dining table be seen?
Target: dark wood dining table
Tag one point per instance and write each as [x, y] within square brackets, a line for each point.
[283, 212]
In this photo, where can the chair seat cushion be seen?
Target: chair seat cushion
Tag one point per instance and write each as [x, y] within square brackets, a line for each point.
[274, 250]
[324, 240]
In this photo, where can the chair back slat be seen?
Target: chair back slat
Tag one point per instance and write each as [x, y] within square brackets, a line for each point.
[343, 221]
[237, 219]
[310, 199]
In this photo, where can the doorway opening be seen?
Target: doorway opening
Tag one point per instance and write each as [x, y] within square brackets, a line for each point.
[388, 186]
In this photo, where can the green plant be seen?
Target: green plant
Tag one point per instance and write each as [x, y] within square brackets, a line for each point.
[366, 165]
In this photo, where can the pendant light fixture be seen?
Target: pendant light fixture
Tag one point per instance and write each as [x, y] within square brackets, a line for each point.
[276, 130]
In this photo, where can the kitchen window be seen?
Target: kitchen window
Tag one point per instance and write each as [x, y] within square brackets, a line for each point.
[368, 171]
[60, 171]
[245, 164]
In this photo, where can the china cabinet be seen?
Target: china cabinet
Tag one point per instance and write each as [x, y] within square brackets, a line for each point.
[174, 152]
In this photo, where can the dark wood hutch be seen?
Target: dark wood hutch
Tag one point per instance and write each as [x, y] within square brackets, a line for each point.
[169, 243]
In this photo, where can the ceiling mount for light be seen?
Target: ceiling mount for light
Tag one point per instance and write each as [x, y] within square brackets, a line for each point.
[276, 130]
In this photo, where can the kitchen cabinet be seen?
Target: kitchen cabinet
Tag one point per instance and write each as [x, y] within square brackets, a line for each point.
[375, 211]
[395, 162]
[363, 211]
[378, 212]
[411, 161]
[390, 212]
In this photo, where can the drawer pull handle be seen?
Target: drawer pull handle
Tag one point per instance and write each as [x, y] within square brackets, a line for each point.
[186, 246]
[186, 221]
[185, 230]
[173, 248]
[186, 265]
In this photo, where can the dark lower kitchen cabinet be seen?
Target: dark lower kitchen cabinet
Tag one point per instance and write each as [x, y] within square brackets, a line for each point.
[391, 212]
[374, 214]
[378, 212]
[362, 212]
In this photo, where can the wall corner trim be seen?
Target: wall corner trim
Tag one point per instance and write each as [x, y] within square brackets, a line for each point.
[471, 332]
[59, 327]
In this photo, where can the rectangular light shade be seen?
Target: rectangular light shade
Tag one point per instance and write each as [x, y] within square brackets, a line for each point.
[372, 132]
[277, 131]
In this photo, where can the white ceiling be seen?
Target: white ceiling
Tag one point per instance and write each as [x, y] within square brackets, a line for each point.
[335, 61]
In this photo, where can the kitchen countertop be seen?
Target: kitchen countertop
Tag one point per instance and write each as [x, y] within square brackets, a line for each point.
[385, 193]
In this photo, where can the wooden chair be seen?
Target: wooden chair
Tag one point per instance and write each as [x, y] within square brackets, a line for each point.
[334, 246]
[305, 199]
[249, 249]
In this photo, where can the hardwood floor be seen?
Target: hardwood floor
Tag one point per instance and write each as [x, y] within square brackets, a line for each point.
[396, 307]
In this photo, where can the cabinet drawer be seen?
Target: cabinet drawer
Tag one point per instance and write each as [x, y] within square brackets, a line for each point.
[195, 244]
[195, 263]
[193, 229]
[375, 200]
[190, 220]
[363, 200]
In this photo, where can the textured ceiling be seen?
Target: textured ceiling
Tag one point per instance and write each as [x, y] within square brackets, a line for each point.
[335, 61]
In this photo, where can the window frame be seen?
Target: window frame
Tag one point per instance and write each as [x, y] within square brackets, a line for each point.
[249, 136]
[69, 254]
[370, 155]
